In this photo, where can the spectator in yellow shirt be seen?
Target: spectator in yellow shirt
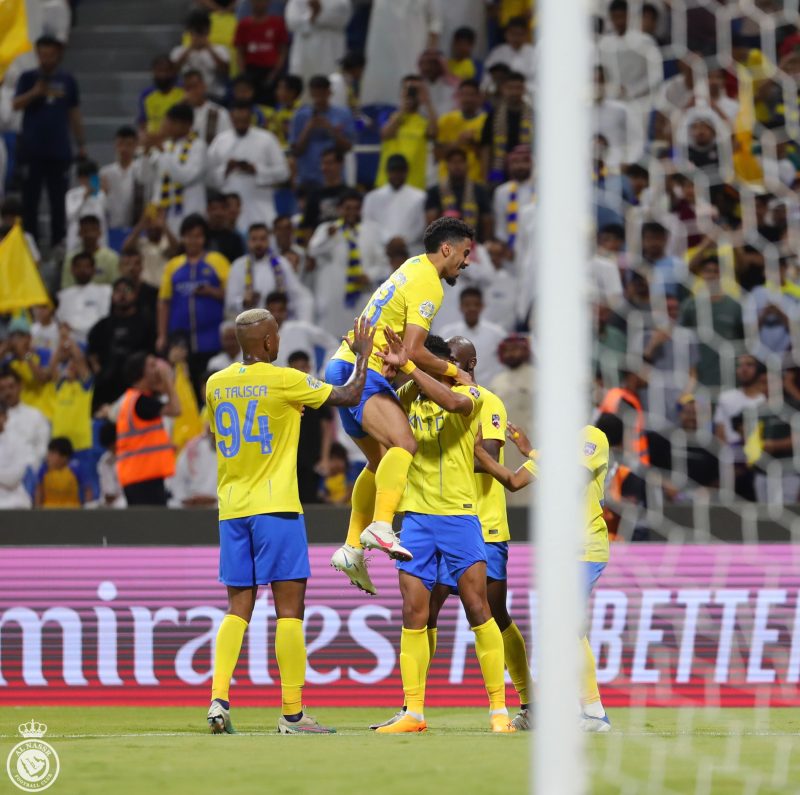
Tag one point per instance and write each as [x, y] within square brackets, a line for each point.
[462, 128]
[461, 63]
[408, 131]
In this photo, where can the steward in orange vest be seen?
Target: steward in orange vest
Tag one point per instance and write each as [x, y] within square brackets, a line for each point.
[144, 451]
[626, 394]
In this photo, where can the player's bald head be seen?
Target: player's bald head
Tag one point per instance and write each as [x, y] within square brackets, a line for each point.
[463, 352]
[253, 326]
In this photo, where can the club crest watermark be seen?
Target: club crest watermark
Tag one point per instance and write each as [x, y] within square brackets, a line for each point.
[33, 764]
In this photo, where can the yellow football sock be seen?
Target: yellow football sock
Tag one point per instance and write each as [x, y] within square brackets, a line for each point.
[432, 637]
[362, 507]
[516, 657]
[415, 657]
[390, 483]
[229, 643]
[589, 690]
[290, 649]
[489, 648]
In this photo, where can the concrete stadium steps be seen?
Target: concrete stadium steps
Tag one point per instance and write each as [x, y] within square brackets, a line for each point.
[115, 38]
[109, 53]
[131, 12]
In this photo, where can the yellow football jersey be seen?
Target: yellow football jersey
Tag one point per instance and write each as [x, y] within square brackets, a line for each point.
[412, 296]
[254, 412]
[595, 458]
[491, 494]
[441, 479]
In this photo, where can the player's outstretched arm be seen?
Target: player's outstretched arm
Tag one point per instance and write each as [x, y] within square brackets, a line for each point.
[396, 354]
[513, 481]
[350, 393]
[517, 435]
[414, 341]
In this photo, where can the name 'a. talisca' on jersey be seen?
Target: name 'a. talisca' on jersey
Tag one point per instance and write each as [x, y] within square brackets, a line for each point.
[254, 413]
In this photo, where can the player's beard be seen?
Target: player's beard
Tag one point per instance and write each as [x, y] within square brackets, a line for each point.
[451, 280]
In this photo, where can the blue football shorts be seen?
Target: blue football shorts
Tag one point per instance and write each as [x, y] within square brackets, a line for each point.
[496, 565]
[337, 373]
[591, 574]
[258, 550]
[452, 542]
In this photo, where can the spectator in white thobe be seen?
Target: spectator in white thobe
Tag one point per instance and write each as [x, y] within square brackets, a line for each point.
[300, 335]
[512, 196]
[119, 180]
[26, 424]
[180, 168]
[12, 466]
[485, 336]
[84, 303]
[398, 208]
[318, 29]
[350, 263]
[194, 484]
[210, 119]
[261, 272]
[399, 30]
[249, 162]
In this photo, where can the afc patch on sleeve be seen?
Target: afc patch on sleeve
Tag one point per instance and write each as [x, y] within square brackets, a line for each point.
[496, 421]
[476, 393]
[314, 383]
[589, 448]
[426, 309]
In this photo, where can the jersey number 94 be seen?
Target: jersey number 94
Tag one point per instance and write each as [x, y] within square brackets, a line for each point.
[233, 431]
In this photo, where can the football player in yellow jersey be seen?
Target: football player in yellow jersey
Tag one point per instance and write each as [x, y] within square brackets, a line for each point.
[406, 303]
[441, 523]
[594, 459]
[254, 411]
[494, 524]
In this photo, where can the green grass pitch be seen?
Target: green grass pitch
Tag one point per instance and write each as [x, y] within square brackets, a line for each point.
[166, 750]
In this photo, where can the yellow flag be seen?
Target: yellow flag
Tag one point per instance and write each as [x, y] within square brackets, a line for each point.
[21, 285]
[187, 424]
[745, 163]
[14, 39]
[754, 445]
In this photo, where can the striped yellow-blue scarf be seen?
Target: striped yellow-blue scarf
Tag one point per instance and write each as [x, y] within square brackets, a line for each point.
[277, 273]
[172, 192]
[512, 215]
[355, 271]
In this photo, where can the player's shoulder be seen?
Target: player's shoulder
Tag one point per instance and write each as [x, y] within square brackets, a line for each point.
[474, 391]
[490, 399]
[594, 441]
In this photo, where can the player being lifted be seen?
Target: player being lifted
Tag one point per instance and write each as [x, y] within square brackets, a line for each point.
[594, 459]
[254, 410]
[406, 303]
[494, 525]
[441, 524]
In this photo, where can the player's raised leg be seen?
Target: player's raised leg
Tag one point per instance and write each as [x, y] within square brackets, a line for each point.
[349, 558]
[230, 635]
[385, 421]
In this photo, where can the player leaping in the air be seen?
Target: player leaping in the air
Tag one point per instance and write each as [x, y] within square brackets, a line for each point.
[406, 303]
[594, 459]
[254, 411]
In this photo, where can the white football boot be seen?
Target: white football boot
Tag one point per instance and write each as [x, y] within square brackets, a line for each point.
[350, 561]
[380, 535]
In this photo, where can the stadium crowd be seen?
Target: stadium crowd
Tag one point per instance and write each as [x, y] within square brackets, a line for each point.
[289, 155]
